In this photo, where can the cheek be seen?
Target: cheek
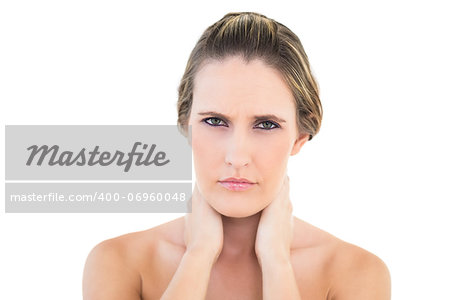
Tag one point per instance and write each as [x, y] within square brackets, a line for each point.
[204, 153]
[272, 164]
[273, 158]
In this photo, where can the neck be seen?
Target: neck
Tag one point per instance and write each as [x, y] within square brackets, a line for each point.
[239, 236]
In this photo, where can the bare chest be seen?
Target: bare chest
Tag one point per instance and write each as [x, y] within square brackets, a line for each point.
[235, 280]
[248, 285]
[238, 280]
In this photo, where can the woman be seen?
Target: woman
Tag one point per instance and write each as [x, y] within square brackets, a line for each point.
[251, 101]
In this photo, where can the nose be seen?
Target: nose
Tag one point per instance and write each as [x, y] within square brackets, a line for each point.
[238, 152]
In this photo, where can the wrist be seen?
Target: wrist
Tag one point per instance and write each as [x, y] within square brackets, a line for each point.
[200, 253]
[274, 258]
[275, 267]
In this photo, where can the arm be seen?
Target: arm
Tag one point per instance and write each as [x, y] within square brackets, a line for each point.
[273, 248]
[279, 280]
[203, 237]
[108, 276]
[365, 277]
[191, 279]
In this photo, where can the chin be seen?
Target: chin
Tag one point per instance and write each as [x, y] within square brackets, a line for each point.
[236, 212]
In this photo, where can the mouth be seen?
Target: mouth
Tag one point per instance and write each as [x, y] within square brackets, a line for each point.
[237, 184]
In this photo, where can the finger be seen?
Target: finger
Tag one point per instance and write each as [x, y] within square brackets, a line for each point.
[282, 194]
[189, 205]
[196, 196]
[287, 191]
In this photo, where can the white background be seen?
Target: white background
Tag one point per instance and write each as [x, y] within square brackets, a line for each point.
[376, 175]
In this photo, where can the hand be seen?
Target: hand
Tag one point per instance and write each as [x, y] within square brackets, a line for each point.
[203, 230]
[276, 227]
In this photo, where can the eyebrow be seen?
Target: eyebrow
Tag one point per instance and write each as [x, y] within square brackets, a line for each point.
[257, 117]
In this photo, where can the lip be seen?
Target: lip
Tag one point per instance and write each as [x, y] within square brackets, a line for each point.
[237, 184]
[239, 180]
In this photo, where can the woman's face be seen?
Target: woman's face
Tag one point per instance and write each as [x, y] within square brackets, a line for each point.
[243, 120]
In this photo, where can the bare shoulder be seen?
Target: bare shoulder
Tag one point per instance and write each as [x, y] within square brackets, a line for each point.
[114, 267]
[109, 273]
[346, 270]
[359, 274]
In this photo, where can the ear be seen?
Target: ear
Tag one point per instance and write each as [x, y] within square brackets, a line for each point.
[299, 142]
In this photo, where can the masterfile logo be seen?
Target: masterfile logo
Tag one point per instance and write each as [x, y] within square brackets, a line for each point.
[98, 168]
[91, 158]
[97, 152]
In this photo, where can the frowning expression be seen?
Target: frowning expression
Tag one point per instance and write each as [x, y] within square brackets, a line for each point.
[243, 120]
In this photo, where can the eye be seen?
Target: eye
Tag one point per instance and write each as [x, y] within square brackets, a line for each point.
[213, 121]
[267, 125]
[216, 122]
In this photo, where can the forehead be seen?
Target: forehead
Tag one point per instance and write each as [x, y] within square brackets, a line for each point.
[233, 83]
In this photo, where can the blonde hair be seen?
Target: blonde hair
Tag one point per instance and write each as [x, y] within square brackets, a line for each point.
[254, 36]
